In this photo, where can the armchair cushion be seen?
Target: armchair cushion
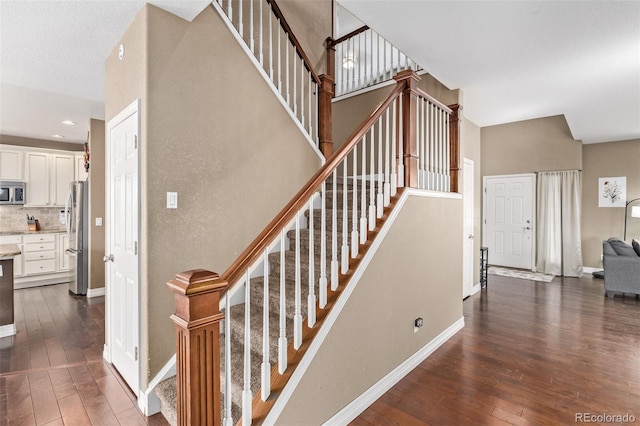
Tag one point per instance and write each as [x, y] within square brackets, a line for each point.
[621, 248]
[636, 246]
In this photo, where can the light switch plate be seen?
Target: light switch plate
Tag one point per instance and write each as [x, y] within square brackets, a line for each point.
[98, 221]
[172, 200]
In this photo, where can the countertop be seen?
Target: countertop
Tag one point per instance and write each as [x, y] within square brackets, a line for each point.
[9, 250]
[47, 231]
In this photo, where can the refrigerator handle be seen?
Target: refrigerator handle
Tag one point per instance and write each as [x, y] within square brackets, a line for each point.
[66, 210]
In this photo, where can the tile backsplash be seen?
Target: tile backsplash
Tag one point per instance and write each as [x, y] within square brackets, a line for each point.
[14, 218]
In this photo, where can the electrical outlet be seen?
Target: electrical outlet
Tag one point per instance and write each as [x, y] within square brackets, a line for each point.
[417, 323]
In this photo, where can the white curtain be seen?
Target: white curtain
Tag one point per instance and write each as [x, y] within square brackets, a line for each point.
[559, 240]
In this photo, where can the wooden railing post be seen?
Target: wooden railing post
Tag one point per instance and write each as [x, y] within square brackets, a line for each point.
[325, 122]
[197, 318]
[409, 136]
[454, 146]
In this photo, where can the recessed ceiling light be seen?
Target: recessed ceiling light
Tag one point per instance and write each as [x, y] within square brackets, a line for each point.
[69, 123]
[57, 136]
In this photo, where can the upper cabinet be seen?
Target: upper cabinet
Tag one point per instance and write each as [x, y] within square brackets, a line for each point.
[11, 164]
[46, 172]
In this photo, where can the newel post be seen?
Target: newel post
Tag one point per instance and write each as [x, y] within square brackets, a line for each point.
[327, 92]
[409, 135]
[197, 319]
[454, 146]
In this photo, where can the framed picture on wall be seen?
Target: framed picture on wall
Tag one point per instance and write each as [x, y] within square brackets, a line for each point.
[612, 191]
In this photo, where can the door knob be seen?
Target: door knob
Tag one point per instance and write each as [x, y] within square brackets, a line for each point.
[108, 258]
[527, 227]
[470, 237]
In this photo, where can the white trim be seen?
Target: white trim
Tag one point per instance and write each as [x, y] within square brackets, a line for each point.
[590, 270]
[370, 88]
[476, 288]
[148, 401]
[331, 318]
[270, 83]
[361, 403]
[96, 292]
[7, 330]
[106, 353]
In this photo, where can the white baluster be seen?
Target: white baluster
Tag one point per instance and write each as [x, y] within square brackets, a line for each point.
[251, 42]
[282, 339]
[379, 69]
[345, 243]
[322, 284]
[380, 199]
[447, 162]
[440, 150]
[357, 64]
[247, 396]
[286, 70]
[240, 24]
[394, 141]
[302, 80]
[227, 417]
[363, 193]
[311, 82]
[260, 35]
[270, 14]
[420, 144]
[230, 11]
[279, 59]
[372, 186]
[297, 316]
[334, 232]
[311, 299]
[354, 218]
[366, 60]
[266, 364]
[387, 141]
[295, 84]
[385, 64]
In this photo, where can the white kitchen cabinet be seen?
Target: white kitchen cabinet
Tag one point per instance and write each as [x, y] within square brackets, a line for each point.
[48, 176]
[40, 254]
[64, 261]
[81, 174]
[62, 174]
[17, 260]
[11, 165]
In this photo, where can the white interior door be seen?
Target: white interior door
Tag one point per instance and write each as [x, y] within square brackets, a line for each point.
[509, 220]
[122, 245]
[468, 228]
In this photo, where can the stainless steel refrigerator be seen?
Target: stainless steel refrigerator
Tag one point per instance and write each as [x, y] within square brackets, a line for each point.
[77, 212]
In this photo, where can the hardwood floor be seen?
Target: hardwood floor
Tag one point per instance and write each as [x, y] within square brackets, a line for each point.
[52, 371]
[530, 353]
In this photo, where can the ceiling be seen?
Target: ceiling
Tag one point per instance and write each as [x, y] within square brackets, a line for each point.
[518, 60]
[513, 60]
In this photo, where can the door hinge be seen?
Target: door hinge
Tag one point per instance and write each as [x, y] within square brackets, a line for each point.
[136, 353]
[135, 248]
[135, 141]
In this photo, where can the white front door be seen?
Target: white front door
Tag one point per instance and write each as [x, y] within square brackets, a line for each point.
[468, 229]
[509, 220]
[122, 245]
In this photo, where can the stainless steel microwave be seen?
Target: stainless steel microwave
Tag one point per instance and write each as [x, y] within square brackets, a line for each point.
[11, 192]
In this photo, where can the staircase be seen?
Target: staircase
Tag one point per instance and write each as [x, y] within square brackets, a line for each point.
[166, 390]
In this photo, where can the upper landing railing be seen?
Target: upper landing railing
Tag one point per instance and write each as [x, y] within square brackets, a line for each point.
[363, 58]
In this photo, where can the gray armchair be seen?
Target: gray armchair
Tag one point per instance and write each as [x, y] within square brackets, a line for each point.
[621, 267]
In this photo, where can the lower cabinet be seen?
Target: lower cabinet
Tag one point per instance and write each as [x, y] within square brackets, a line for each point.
[43, 259]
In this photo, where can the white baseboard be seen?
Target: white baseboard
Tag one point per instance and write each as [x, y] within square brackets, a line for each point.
[148, 401]
[106, 353]
[95, 292]
[476, 288]
[361, 403]
[7, 330]
[589, 270]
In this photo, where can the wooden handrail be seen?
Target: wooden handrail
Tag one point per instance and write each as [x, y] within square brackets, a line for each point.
[272, 231]
[294, 40]
[433, 100]
[348, 36]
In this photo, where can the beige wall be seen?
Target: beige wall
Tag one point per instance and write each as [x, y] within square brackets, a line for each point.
[311, 22]
[611, 159]
[212, 131]
[408, 277]
[96, 202]
[470, 148]
[542, 144]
